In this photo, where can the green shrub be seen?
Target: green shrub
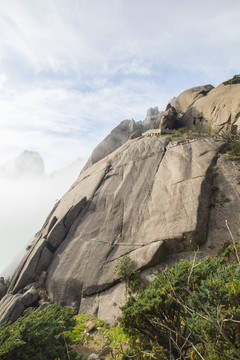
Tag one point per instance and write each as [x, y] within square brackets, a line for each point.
[234, 80]
[40, 335]
[232, 144]
[189, 311]
[113, 337]
[195, 132]
[128, 272]
[77, 333]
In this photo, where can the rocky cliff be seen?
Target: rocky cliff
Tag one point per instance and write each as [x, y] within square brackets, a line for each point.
[153, 198]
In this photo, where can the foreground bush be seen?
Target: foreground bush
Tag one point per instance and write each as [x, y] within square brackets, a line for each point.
[191, 311]
[100, 337]
[39, 335]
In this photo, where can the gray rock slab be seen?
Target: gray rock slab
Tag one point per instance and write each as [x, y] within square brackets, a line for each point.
[147, 200]
[225, 205]
[30, 297]
[3, 290]
[188, 97]
[11, 307]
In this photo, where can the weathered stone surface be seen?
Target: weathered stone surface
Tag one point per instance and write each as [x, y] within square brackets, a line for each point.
[146, 217]
[225, 205]
[3, 288]
[3, 291]
[53, 233]
[121, 133]
[43, 304]
[106, 305]
[11, 307]
[220, 108]
[118, 136]
[109, 303]
[135, 134]
[169, 118]
[30, 297]
[188, 97]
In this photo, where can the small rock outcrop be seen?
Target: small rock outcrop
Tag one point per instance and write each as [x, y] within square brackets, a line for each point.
[169, 118]
[13, 305]
[152, 121]
[135, 134]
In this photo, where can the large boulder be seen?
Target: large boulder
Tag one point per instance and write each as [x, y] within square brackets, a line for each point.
[169, 118]
[219, 108]
[30, 296]
[13, 305]
[188, 97]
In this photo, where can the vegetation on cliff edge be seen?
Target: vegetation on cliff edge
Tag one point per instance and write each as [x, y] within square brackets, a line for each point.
[191, 311]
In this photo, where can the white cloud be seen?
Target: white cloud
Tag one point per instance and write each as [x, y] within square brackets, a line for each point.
[84, 36]
[67, 122]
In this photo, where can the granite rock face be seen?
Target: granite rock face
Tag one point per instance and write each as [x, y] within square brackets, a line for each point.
[13, 305]
[225, 204]
[147, 199]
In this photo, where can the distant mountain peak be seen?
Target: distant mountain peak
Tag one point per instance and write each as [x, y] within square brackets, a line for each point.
[27, 164]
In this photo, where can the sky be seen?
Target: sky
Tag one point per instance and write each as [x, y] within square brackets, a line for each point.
[71, 70]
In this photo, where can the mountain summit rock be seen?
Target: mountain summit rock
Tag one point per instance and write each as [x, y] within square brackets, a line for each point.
[155, 198]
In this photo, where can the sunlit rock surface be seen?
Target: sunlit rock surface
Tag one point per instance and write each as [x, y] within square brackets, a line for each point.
[146, 200]
[217, 107]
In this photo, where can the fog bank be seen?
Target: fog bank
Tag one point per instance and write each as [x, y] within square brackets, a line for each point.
[26, 201]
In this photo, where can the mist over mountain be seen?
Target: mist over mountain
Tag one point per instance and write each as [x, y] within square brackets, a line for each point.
[28, 164]
[27, 193]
